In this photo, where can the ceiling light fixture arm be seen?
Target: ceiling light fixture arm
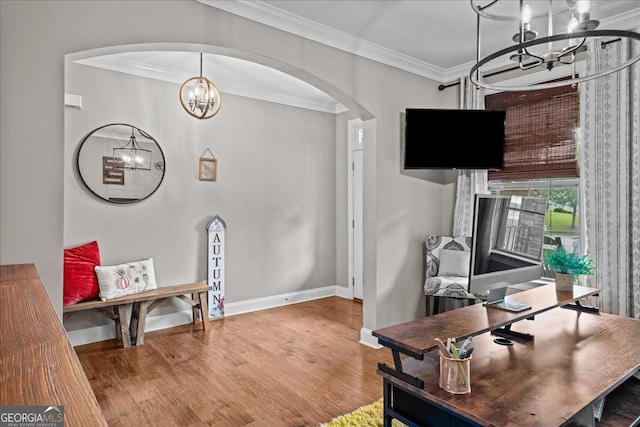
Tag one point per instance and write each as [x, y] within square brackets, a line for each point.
[580, 28]
[481, 10]
[582, 34]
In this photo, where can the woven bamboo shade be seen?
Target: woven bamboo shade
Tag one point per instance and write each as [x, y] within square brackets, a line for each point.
[540, 133]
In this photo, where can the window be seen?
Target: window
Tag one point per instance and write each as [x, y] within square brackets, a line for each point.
[541, 146]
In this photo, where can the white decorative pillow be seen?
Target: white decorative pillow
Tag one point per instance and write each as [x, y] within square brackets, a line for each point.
[454, 263]
[125, 279]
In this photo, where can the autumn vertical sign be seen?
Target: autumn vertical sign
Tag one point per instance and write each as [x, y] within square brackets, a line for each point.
[215, 272]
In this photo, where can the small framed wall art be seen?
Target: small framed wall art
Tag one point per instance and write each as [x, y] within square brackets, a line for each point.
[208, 167]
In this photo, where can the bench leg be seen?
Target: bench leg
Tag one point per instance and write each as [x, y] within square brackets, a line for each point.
[122, 325]
[116, 320]
[138, 317]
[204, 309]
[195, 310]
[133, 326]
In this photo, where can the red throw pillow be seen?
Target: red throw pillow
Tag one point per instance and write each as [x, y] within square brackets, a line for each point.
[80, 281]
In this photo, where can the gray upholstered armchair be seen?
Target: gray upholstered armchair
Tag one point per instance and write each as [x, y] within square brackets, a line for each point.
[447, 271]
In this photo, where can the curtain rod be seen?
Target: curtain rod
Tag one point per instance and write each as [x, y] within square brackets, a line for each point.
[604, 44]
[448, 85]
[443, 87]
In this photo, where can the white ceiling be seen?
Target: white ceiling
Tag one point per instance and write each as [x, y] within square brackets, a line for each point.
[431, 38]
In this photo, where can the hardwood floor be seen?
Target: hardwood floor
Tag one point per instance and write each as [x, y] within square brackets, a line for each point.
[298, 365]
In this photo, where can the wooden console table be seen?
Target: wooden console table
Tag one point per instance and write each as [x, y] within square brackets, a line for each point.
[563, 361]
[38, 366]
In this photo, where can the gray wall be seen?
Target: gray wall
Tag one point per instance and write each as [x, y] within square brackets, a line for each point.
[399, 209]
[275, 187]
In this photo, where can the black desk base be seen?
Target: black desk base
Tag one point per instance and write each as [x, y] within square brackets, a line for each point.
[416, 412]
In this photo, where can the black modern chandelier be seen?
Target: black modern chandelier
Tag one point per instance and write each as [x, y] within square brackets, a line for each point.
[529, 51]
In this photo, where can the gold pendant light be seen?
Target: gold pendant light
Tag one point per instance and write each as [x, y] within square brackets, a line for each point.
[199, 96]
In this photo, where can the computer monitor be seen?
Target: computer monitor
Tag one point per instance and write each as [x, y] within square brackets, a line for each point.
[507, 239]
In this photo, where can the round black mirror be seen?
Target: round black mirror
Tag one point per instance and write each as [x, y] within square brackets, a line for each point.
[121, 163]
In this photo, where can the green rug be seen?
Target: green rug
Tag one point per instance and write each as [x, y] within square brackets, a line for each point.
[365, 416]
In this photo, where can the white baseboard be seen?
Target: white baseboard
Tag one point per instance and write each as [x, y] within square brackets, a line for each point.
[344, 292]
[154, 323]
[248, 306]
[367, 338]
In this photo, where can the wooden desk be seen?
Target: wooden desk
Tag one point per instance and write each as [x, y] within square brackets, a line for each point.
[575, 358]
[417, 337]
[38, 366]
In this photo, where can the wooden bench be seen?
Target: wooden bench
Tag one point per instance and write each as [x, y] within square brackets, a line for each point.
[132, 333]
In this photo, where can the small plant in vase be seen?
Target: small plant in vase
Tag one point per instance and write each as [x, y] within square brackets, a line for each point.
[567, 265]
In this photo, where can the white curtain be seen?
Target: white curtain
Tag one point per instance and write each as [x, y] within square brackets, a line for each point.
[610, 177]
[470, 182]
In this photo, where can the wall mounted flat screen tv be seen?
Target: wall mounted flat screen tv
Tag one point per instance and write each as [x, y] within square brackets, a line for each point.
[454, 139]
[507, 240]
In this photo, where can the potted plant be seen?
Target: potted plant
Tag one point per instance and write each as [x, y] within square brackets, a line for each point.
[567, 265]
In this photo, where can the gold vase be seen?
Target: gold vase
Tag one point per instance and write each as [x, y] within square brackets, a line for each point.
[564, 282]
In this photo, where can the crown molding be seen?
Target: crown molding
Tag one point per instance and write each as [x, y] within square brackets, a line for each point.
[266, 14]
[624, 21]
[263, 13]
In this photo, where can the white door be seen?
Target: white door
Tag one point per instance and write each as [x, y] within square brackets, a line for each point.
[356, 147]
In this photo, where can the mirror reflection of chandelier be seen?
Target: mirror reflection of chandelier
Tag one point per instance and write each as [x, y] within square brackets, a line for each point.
[133, 156]
[550, 51]
[199, 96]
